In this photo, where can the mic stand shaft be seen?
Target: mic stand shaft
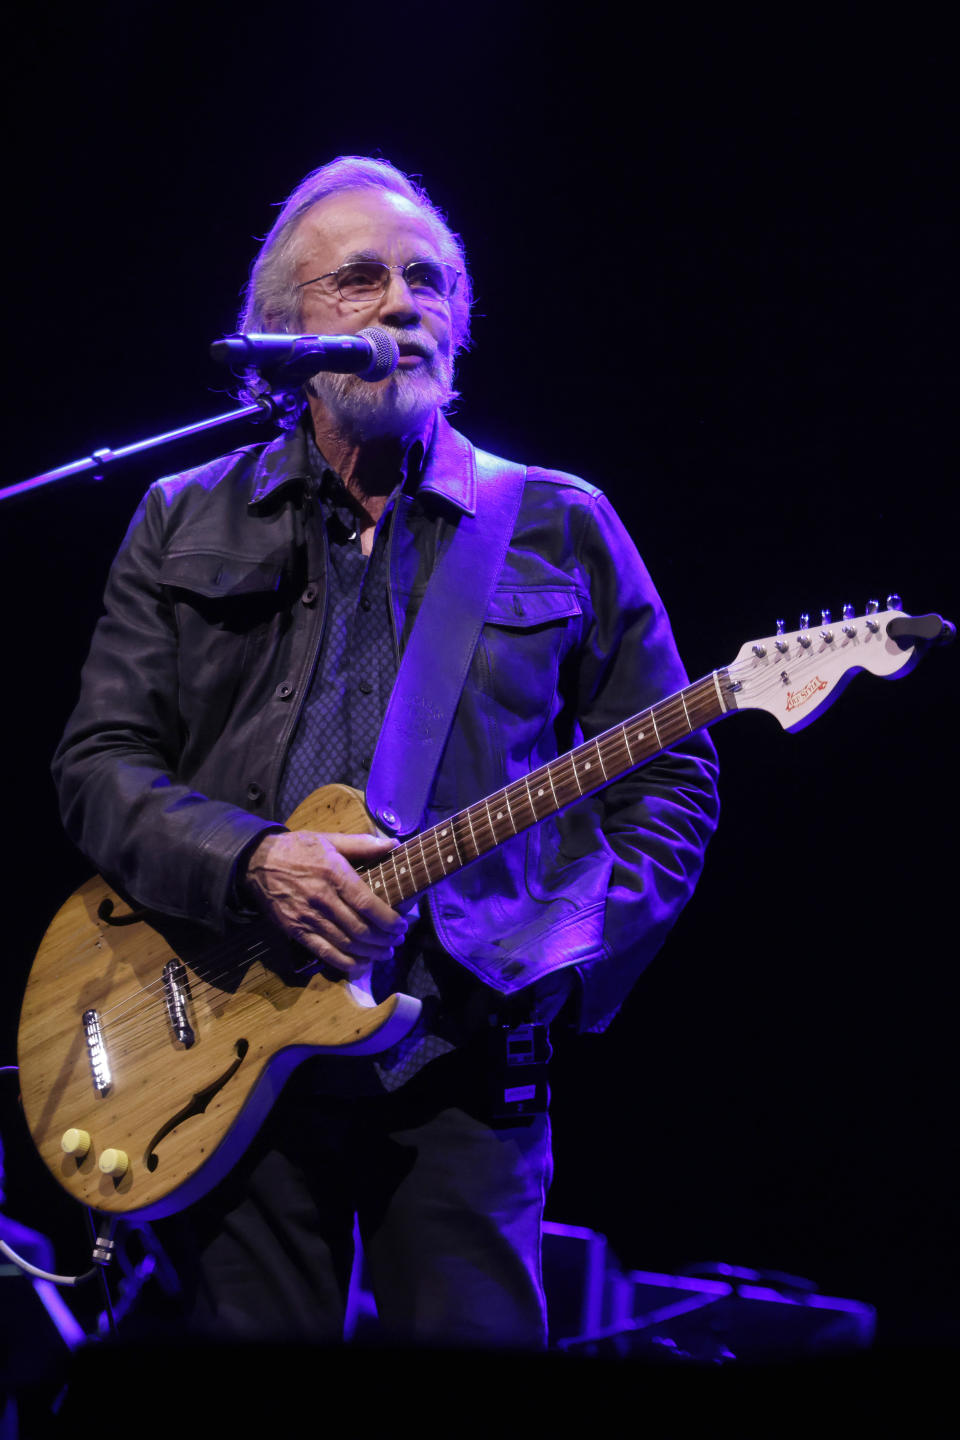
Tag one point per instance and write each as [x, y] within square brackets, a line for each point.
[266, 408]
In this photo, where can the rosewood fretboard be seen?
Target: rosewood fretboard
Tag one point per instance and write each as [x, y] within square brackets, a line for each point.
[448, 846]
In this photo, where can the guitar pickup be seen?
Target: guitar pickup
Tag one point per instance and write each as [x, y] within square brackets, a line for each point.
[176, 992]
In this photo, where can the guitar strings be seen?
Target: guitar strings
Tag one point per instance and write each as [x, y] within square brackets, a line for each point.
[143, 1006]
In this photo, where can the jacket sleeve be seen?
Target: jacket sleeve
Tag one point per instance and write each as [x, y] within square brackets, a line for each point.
[165, 845]
[654, 825]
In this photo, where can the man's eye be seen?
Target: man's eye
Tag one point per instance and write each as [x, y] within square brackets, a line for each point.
[361, 277]
[426, 277]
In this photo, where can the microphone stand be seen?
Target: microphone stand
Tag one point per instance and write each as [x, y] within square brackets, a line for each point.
[267, 407]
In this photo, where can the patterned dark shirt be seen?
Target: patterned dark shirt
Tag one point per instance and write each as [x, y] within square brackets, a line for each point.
[335, 739]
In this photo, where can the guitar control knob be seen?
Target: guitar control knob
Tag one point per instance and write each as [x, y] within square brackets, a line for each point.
[115, 1163]
[75, 1142]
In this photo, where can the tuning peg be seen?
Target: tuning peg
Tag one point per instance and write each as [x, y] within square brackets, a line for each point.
[781, 645]
[848, 629]
[803, 637]
[873, 606]
[826, 633]
[848, 612]
[894, 602]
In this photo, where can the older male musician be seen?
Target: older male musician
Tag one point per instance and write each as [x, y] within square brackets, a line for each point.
[256, 619]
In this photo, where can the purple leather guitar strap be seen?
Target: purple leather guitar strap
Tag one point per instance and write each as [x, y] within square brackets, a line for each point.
[437, 656]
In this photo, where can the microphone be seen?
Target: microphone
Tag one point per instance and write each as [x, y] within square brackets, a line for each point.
[287, 361]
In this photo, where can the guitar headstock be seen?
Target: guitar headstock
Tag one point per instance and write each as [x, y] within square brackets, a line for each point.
[795, 675]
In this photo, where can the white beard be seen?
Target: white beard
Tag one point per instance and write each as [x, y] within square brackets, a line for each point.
[399, 405]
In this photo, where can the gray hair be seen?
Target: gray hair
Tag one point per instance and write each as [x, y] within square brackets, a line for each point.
[271, 301]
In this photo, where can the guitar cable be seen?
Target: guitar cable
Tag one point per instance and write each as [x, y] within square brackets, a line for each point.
[102, 1232]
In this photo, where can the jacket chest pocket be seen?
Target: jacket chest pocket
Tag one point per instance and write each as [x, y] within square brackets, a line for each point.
[226, 609]
[526, 634]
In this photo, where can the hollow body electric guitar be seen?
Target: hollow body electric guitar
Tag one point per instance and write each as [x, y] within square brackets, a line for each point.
[149, 1054]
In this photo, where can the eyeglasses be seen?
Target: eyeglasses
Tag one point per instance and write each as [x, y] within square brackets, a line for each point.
[366, 279]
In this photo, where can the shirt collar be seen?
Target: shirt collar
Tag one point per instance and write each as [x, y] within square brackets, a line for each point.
[449, 470]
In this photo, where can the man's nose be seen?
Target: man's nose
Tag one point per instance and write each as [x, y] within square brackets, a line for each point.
[399, 303]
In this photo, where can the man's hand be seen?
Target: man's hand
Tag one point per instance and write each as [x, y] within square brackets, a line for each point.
[305, 883]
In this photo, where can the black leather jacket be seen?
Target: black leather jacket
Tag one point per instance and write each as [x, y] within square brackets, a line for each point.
[170, 764]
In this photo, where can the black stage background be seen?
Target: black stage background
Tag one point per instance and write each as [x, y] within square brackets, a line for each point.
[714, 268]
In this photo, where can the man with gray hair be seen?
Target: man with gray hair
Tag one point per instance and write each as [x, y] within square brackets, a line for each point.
[269, 599]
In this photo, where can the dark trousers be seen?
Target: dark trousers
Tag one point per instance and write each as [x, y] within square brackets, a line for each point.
[449, 1206]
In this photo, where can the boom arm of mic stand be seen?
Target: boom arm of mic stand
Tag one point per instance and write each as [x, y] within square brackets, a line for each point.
[265, 408]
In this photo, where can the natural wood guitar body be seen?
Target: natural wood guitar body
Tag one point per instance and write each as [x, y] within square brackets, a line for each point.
[250, 1028]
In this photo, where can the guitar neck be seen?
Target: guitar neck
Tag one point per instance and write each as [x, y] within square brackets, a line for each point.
[445, 848]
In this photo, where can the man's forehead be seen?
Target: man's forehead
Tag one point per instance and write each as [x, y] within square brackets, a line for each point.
[352, 221]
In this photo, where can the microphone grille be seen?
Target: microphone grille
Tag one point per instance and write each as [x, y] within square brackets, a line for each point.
[386, 355]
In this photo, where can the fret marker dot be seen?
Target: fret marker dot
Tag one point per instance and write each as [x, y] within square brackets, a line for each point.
[449, 859]
[639, 734]
[586, 765]
[377, 885]
[540, 791]
[403, 869]
[443, 834]
[499, 814]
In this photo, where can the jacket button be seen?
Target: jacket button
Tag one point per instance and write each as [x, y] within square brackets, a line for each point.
[283, 691]
[309, 595]
[254, 792]
[365, 687]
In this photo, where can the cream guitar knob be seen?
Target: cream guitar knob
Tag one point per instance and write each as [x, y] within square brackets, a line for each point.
[114, 1162]
[75, 1143]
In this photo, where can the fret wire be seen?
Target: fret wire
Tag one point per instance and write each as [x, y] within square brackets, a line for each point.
[533, 808]
[493, 830]
[506, 803]
[435, 832]
[564, 781]
[473, 837]
[573, 766]
[457, 832]
[402, 852]
[392, 857]
[520, 794]
[423, 861]
[603, 767]
[369, 877]
[656, 732]
[453, 838]
[626, 738]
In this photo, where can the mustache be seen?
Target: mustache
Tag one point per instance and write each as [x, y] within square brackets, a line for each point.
[412, 341]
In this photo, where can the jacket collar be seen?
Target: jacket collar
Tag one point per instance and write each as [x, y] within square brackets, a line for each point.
[450, 470]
